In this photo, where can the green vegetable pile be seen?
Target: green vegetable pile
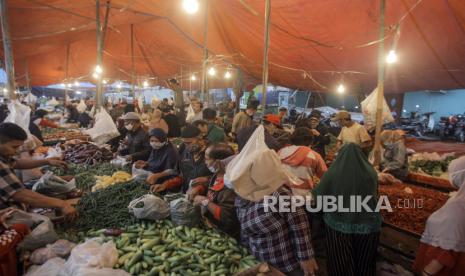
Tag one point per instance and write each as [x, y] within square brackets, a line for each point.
[85, 175]
[107, 208]
[431, 167]
[160, 248]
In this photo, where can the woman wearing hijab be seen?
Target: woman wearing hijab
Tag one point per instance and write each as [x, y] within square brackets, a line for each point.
[442, 245]
[217, 200]
[162, 163]
[351, 237]
[394, 159]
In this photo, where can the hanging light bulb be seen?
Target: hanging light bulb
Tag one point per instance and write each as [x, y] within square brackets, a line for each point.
[193, 78]
[391, 57]
[104, 81]
[146, 84]
[95, 76]
[190, 6]
[98, 69]
[341, 89]
[227, 75]
[76, 83]
[70, 85]
[212, 71]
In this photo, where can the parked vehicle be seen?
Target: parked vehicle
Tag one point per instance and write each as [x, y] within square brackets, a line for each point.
[418, 124]
[452, 127]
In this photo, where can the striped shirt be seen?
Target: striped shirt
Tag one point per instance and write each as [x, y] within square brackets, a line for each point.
[281, 239]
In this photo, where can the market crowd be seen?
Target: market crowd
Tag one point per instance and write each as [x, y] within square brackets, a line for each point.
[191, 152]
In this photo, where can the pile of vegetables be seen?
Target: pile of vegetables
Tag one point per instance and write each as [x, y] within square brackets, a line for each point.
[106, 180]
[108, 207]
[432, 167]
[86, 153]
[54, 134]
[85, 175]
[160, 248]
[411, 205]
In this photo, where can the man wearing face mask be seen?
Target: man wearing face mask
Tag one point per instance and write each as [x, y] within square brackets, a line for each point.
[214, 197]
[162, 163]
[136, 145]
[244, 118]
[192, 165]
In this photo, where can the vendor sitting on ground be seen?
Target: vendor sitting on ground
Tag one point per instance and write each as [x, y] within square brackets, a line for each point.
[40, 120]
[12, 190]
[192, 155]
[216, 199]
[162, 163]
[302, 161]
[136, 145]
[394, 160]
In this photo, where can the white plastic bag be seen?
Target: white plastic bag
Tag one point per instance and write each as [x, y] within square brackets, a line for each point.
[139, 174]
[55, 152]
[149, 207]
[190, 114]
[104, 128]
[91, 254]
[369, 106]
[50, 184]
[52, 267]
[42, 232]
[81, 107]
[119, 162]
[20, 114]
[53, 102]
[257, 170]
[30, 98]
[61, 248]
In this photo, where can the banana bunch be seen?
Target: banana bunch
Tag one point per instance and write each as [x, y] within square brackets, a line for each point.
[106, 180]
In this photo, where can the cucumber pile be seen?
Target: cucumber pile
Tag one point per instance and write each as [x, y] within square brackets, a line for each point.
[160, 248]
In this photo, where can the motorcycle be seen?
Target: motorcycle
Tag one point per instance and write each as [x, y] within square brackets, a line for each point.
[418, 125]
[452, 127]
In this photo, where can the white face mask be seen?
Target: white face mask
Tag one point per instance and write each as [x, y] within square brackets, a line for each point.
[212, 169]
[129, 127]
[157, 145]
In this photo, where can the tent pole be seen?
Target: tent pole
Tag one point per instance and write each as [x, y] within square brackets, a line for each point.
[204, 85]
[99, 55]
[133, 89]
[265, 53]
[9, 62]
[28, 80]
[379, 100]
[66, 73]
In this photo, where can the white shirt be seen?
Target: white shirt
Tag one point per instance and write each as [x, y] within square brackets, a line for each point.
[356, 134]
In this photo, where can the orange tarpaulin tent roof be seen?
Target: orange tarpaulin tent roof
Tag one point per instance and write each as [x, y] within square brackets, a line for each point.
[314, 44]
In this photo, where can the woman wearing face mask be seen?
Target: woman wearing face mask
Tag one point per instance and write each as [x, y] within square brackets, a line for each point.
[162, 163]
[216, 199]
[442, 245]
[394, 159]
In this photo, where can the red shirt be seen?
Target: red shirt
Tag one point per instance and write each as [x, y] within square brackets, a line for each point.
[453, 262]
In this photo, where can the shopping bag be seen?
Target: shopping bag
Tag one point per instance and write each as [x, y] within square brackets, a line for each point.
[42, 232]
[369, 106]
[81, 107]
[183, 212]
[50, 184]
[149, 207]
[20, 114]
[139, 174]
[104, 128]
[61, 248]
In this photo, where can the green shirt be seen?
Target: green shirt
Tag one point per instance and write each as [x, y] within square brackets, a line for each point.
[215, 133]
